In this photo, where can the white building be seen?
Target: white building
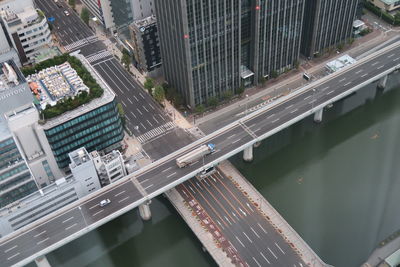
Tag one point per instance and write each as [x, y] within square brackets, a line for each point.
[109, 167]
[25, 28]
[114, 14]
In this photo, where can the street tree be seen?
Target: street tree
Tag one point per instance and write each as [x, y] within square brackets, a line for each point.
[149, 84]
[85, 15]
[200, 108]
[159, 94]
[212, 102]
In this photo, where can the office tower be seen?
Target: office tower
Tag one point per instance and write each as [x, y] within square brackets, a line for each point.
[210, 47]
[327, 24]
[25, 28]
[114, 14]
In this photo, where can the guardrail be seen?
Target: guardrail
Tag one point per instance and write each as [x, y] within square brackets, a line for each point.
[230, 126]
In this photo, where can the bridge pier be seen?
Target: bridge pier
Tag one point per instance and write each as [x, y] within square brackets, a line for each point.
[382, 82]
[145, 212]
[42, 261]
[248, 154]
[318, 115]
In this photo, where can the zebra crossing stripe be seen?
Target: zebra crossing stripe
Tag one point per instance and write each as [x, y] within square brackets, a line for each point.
[80, 43]
[152, 134]
[98, 56]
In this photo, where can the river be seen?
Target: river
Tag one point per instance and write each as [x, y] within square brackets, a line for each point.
[337, 183]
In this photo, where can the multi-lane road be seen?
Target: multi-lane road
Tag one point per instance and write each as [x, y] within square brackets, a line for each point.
[250, 234]
[164, 174]
[145, 118]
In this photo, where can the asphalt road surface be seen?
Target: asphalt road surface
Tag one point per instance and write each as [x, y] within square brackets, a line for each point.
[251, 235]
[145, 118]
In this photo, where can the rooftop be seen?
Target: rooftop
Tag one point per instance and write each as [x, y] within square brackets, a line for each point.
[55, 83]
[144, 22]
[78, 157]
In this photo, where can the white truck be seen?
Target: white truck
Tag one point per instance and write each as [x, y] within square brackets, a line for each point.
[195, 155]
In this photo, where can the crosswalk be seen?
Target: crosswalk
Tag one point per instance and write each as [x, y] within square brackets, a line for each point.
[99, 55]
[156, 132]
[80, 43]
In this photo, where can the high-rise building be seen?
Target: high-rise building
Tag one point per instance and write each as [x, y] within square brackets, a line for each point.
[210, 47]
[24, 27]
[327, 23]
[114, 14]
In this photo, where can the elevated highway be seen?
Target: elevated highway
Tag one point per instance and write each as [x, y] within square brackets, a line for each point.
[51, 232]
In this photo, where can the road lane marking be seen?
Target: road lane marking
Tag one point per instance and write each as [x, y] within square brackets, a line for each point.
[323, 89]
[167, 169]
[256, 130]
[275, 120]
[133, 114]
[307, 97]
[293, 111]
[330, 92]
[94, 206]
[391, 55]
[239, 241]
[373, 64]
[347, 84]
[396, 59]
[244, 213]
[254, 232]
[265, 258]
[123, 103]
[145, 109]
[199, 185]
[9, 249]
[147, 187]
[125, 198]
[226, 218]
[13, 256]
[270, 116]
[172, 174]
[273, 254]
[119, 193]
[289, 106]
[220, 224]
[279, 248]
[136, 98]
[248, 205]
[236, 141]
[70, 218]
[229, 137]
[154, 118]
[130, 101]
[252, 125]
[143, 126]
[259, 265]
[342, 80]
[44, 240]
[194, 163]
[357, 72]
[380, 67]
[40, 233]
[149, 123]
[145, 180]
[312, 101]
[207, 183]
[192, 189]
[141, 95]
[100, 211]
[69, 227]
[251, 241]
[139, 111]
[262, 228]
[362, 76]
[151, 106]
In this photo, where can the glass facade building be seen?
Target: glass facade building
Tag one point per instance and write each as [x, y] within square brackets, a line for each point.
[16, 180]
[327, 23]
[97, 129]
[218, 46]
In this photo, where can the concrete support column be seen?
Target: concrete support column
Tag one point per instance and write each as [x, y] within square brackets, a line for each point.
[42, 262]
[382, 82]
[145, 212]
[257, 144]
[318, 115]
[248, 154]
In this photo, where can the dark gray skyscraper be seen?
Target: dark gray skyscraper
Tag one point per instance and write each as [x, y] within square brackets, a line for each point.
[327, 23]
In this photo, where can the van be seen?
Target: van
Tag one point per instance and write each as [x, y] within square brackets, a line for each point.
[206, 172]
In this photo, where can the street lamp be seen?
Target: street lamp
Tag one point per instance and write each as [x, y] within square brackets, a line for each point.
[246, 104]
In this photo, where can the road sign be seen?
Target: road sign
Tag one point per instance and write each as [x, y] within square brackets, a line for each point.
[51, 19]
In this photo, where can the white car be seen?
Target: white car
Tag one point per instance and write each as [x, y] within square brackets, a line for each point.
[66, 12]
[105, 202]
[206, 172]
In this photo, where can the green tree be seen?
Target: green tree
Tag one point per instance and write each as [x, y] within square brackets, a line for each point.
[274, 74]
[240, 90]
[72, 3]
[149, 84]
[159, 94]
[296, 64]
[212, 102]
[85, 15]
[227, 95]
[340, 46]
[200, 108]
[178, 99]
